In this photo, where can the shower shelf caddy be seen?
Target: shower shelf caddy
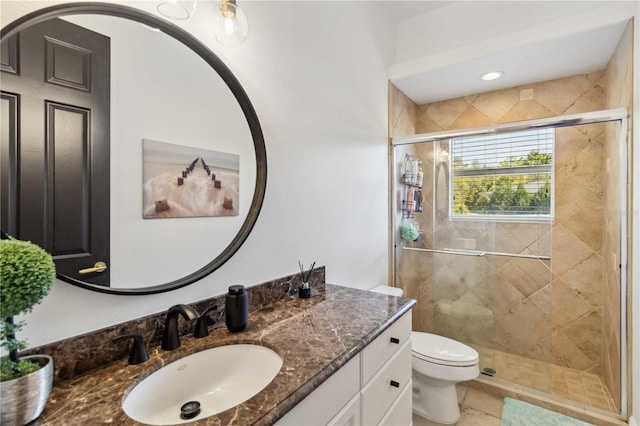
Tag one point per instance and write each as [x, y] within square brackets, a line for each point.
[412, 178]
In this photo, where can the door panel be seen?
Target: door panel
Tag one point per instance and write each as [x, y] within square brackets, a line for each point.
[68, 65]
[70, 201]
[9, 55]
[62, 144]
[8, 161]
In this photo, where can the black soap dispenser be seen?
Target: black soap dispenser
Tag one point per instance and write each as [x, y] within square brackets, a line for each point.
[237, 308]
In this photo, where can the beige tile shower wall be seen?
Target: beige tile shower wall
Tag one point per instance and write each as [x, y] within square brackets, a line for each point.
[403, 113]
[619, 82]
[551, 311]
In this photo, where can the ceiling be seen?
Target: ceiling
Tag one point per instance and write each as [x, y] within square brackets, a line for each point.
[560, 47]
[400, 10]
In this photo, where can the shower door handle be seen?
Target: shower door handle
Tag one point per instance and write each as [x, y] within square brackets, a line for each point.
[448, 251]
[477, 253]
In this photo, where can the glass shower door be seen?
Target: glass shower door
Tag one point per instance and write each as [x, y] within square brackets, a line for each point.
[522, 253]
[482, 280]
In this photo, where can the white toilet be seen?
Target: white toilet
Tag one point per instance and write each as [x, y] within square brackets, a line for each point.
[438, 363]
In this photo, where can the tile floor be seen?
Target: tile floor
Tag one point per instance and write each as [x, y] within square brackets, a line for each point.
[581, 387]
[574, 385]
[480, 407]
[477, 408]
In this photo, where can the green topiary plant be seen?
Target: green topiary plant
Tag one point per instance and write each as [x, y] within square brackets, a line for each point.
[26, 275]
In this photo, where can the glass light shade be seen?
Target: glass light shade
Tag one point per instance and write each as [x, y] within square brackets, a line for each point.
[230, 24]
[177, 9]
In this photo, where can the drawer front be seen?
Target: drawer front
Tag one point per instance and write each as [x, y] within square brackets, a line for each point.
[376, 353]
[400, 412]
[386, 386]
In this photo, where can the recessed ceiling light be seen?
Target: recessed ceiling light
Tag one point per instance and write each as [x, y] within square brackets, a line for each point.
[492, 75]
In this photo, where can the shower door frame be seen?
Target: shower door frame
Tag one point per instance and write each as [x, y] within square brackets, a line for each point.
[602, 116]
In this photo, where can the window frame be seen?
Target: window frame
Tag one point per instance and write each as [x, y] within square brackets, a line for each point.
[519, 218]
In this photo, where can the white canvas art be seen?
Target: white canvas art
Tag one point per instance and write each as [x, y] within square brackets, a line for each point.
[181, 181]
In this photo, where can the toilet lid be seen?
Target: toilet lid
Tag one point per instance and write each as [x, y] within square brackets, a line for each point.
[442, 350]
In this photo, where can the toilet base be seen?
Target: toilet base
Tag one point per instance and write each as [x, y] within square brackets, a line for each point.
[437, 404]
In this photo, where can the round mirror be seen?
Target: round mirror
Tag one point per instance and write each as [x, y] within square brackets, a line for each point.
[170, 175]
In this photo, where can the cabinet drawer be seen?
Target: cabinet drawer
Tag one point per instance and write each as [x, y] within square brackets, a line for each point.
[379, 394]
[376, 353]
[401, 412]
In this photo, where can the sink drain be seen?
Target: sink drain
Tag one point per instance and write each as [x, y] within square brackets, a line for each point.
[189, 410]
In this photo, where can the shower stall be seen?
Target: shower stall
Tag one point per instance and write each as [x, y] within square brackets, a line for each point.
[513, 240]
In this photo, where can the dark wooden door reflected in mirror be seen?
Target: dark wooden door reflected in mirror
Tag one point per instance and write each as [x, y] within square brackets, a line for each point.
[150, 99]
[55, 112]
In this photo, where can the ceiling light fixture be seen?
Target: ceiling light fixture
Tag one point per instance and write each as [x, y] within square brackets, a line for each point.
[177, 9]
[492, 75]
[230, 23]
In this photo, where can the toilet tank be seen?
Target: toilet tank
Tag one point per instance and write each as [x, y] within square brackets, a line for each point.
[390, 291]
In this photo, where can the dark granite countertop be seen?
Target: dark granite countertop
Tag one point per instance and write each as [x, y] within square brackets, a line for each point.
[314, 337]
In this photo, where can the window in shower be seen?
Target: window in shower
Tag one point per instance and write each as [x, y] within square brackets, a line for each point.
[503, 175]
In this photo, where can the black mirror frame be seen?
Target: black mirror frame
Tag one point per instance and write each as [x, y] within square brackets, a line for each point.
[234, 85]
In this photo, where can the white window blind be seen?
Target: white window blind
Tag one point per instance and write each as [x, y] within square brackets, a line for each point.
[503, 174]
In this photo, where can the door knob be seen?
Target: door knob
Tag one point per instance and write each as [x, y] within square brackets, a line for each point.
[98, 267]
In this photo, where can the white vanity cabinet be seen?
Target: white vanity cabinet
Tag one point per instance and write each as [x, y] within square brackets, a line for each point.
[373, 388]
[386, 376]
[324, 403]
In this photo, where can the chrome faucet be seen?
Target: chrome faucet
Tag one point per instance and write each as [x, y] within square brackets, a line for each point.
[170, 335]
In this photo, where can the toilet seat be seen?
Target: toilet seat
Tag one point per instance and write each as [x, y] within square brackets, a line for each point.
[442, 350]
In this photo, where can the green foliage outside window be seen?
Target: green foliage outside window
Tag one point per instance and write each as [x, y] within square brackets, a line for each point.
[503, 194]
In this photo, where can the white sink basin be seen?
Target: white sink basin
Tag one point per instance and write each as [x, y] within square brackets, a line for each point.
[218, 378]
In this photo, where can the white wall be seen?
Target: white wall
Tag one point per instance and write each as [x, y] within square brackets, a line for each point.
[635, 237]
[315, 73]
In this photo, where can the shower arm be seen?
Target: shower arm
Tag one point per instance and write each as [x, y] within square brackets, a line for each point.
[477, 253]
